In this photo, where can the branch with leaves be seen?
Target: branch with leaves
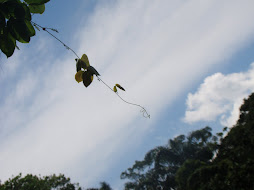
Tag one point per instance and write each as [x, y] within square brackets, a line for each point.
[16, 22]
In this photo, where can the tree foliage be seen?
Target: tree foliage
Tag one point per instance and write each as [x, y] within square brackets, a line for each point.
[32, 182]
[57, 182]
[201, 161]
[233, 167]
[159, 167]
[16, 22]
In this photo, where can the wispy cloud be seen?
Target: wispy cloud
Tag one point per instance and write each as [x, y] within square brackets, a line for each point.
[220, 96]
[155, 49]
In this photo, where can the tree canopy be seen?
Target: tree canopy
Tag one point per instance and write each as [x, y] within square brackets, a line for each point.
[200, 160]
[33, 182]
[159, 167]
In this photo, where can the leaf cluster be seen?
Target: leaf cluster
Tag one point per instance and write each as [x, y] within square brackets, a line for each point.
[85, 71]
[16, 24]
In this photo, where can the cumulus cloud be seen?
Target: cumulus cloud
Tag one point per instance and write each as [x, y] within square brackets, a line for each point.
[220, 96]
[155, 49]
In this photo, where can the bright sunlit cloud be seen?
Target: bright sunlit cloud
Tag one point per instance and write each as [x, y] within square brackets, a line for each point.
[155, 49]
[220, 96]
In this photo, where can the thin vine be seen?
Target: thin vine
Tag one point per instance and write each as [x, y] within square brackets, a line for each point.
[37, 26]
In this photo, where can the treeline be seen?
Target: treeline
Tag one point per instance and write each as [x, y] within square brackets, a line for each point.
[201, 161]
[197, 161]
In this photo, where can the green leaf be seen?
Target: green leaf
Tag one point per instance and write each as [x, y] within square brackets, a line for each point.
[19, 30]
[19, 11]
[87, 78]
[2, 22]
[7, 8]
[27, 10]
[30, 28]
[35, 8]
[38, 2]
[93, 70]
[7, 43]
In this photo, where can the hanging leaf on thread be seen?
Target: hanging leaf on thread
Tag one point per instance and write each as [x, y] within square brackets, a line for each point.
[79, 77]
[115, 89]
[93, 71]
[85, 75]
[87, 78]
[84, 59]
[119, 86]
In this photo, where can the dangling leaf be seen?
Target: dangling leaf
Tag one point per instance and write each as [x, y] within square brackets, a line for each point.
[93, 70]
[84, 58]
[119, 86]
[78, 76]
[87, 78]
[115, 89]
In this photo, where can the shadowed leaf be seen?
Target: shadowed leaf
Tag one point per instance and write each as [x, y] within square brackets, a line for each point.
[93, 70]
[119, 86]
[87, 78]
[7, 43]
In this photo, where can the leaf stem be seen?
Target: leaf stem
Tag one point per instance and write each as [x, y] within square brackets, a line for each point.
[46, 29]
[143, 110]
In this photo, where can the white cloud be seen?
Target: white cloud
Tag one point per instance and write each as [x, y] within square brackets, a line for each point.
[155, 49]
[220, 96]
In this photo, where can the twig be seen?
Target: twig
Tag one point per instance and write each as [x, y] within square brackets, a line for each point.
[46, 29]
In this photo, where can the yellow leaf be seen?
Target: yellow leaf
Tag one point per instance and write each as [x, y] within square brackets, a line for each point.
[78, 76]
[85, 59]
[115, 90]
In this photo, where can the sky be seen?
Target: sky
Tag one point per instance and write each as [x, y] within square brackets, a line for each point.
[188, 63]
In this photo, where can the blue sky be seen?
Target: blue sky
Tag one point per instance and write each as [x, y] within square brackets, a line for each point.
[189, 63]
